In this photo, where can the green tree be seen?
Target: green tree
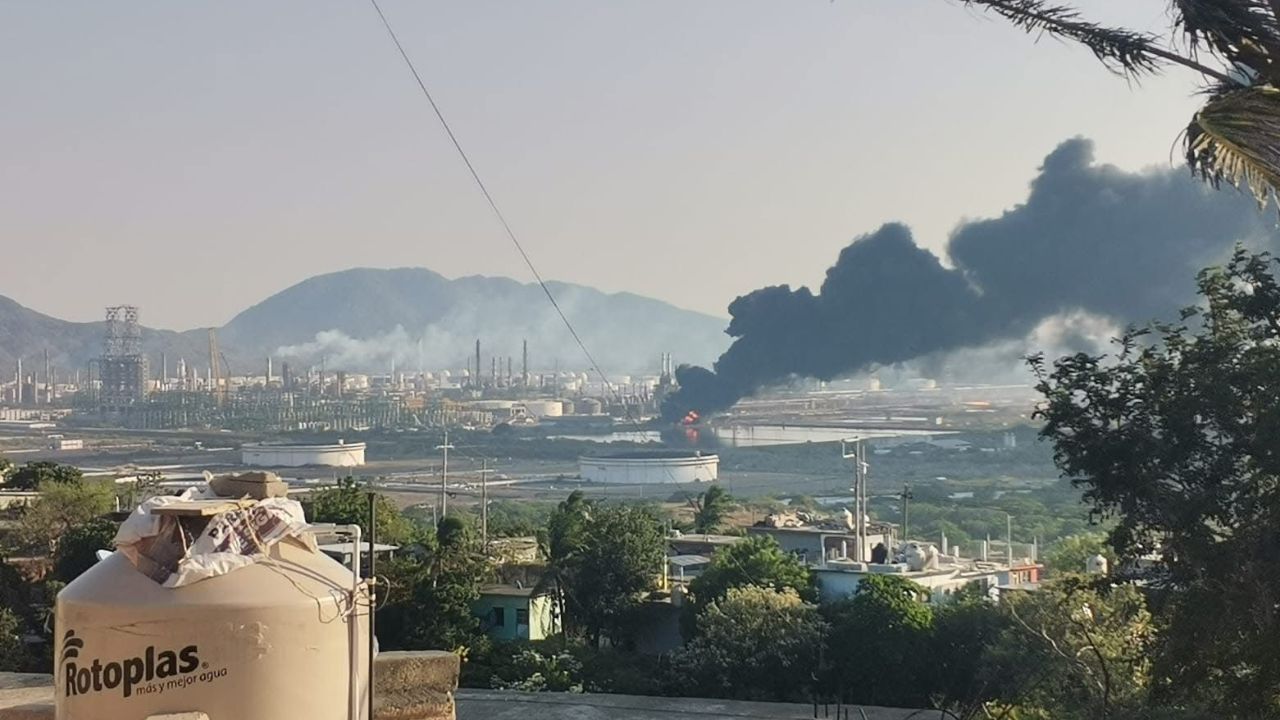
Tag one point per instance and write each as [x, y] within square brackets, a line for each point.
[562, 544]
[1234, 44]
[13, 654]
[620, 558]
[1176, 439]
[710, 509]
[755, 643]
[1071, 553]
[347, 503]
[429, 600]
[32, 475]
[61, 507]
[78, 549]
[6, 469]
[756, 560]
[963, 632]
[879, 644]
[1076, 650]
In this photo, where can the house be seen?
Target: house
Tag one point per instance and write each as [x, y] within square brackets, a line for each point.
[342, 552]
[700, 543]
[513, 612]
[814, 545]
[840, 578]
[684, 568]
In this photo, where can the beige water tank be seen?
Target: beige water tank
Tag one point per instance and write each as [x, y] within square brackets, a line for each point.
[269, 641]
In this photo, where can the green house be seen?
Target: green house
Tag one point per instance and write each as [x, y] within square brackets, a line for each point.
[512, 612]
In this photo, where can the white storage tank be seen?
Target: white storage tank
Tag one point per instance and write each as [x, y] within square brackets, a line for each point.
[271, 640]
[544, 408]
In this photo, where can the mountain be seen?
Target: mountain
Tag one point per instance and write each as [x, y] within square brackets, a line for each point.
[366, 319]
[27, 334]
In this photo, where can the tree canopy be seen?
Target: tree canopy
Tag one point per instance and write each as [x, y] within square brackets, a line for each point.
[62, 507]
[1177, 439]
[621, 557]
[710, 509]
[879, 651]
[347, 503]
[31, 475]
[756, 560]
[755, 643]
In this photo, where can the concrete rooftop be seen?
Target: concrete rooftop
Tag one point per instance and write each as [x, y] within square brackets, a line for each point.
[507, 705]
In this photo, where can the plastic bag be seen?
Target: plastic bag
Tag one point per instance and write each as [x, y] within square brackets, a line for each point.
[176, 551]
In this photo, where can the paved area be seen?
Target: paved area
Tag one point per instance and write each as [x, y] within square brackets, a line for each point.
[21, 689]
[501, 705]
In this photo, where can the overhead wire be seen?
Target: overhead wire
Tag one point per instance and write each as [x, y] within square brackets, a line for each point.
[506, 226]
[484, 190]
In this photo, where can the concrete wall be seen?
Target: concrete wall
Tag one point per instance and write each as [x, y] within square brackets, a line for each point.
[541, 618]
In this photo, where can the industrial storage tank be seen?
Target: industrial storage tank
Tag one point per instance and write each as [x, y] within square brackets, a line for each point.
[340, 454]
[275, 639]
[544, 408]
[590, 406]
[650, 467]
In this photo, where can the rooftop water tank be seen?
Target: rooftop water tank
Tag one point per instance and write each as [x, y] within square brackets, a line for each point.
[1096, 565]
[271, 640]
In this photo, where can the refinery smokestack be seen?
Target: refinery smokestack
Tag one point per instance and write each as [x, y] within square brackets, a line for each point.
[18, 396]
[524, 365]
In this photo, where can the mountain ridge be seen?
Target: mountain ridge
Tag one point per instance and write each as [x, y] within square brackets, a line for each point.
[370, 319]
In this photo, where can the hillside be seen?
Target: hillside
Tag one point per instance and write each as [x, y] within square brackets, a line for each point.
[365, 319]
[71, 344]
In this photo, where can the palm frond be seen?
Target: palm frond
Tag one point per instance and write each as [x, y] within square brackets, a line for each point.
[1243, 32]
[1235, 138]
[1124, 51]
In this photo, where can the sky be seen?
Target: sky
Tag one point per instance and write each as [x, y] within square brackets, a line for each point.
[194, 158]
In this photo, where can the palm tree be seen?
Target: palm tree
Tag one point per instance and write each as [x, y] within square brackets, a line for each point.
[562, 545]
[709, 509]
[1233, 44]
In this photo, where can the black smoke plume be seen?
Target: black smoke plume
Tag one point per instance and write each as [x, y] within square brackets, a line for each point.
[1089, 238]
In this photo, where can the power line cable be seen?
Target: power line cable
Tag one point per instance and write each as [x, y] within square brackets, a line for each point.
[506, 226]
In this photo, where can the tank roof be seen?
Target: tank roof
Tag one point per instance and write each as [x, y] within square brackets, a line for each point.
[652, 455]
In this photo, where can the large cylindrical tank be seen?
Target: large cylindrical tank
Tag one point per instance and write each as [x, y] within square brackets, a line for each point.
[267, 641]
[544, 408]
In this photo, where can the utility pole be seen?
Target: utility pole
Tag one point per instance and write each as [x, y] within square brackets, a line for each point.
[484, 503]
[444, 476]
[858, 455]
[907, 497]
[1008, 541]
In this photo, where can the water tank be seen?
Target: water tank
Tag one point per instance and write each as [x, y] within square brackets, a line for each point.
[544, 408]
[1096, 565]
[267, 641]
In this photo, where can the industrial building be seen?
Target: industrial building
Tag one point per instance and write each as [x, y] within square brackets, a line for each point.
[650, 468]
[340, 454]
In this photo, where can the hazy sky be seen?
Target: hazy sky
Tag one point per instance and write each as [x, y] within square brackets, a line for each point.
[196, 157]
